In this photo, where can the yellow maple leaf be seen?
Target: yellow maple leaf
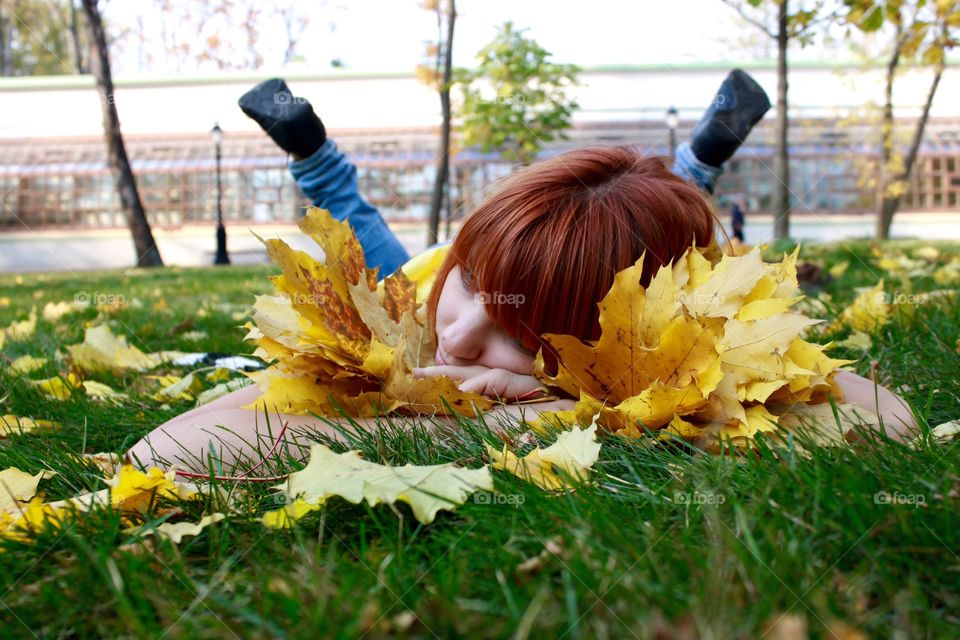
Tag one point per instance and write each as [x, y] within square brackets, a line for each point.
[30, 518]
[134, 490]
[426, 488]
[571, 457]
[101, 350]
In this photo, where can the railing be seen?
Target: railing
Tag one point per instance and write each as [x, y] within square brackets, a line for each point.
[66, 183]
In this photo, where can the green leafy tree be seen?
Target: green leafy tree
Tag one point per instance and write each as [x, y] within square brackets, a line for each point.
[785, 22]
[516, 99]
[40, 37]
[921, 33]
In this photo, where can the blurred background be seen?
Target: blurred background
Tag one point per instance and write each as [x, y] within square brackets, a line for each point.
[867, 145]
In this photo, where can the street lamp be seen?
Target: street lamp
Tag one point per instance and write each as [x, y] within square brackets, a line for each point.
[673, 119]
[221, 258]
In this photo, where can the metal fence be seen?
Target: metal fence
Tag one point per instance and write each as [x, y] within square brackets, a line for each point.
[48, 183]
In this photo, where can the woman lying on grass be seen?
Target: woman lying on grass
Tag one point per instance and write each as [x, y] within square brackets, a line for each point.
[536, 257]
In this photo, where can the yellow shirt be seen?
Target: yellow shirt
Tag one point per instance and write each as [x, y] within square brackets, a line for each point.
[423, 269]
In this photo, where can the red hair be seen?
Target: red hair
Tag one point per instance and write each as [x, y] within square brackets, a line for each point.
[555, 234]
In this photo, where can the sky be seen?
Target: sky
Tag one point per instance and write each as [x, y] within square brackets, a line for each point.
[609, 32]
[389, 35]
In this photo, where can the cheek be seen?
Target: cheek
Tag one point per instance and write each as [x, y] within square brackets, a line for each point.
[449, 303]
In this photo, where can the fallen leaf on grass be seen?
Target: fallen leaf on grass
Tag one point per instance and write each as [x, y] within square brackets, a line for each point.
[857, 340]
[22, 330]
[175, 531]
[14, 425]
[285, 516]
[53, 311]
[100, 391]
[869, 310]
[105, 461]
[571, 456]
[942, 433]
[427, 489]
[27, 364]
[17, 486]
[58, 388]
[101, 350]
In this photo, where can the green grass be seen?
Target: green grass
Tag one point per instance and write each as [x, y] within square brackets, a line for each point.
[662, 542]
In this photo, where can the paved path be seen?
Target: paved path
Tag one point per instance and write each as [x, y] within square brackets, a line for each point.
[194, 246]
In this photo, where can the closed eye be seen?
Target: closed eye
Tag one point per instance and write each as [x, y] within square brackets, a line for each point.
[518, 345]
[466, 278]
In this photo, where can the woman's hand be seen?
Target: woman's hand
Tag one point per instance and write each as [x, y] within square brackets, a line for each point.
[499, 384]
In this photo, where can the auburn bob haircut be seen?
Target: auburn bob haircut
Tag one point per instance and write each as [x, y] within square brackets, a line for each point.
[554, 234]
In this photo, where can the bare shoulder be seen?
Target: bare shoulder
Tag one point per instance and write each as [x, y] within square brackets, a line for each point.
[897, 417]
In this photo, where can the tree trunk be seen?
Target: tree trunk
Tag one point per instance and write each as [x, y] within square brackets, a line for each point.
[781, 158]
[888, 205]
[891, 203]
[441, 185]
[78, 66]
[147, 253]
[6, 38]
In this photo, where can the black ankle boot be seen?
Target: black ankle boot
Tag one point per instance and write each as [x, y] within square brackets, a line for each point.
[738, 105]
[289, 120]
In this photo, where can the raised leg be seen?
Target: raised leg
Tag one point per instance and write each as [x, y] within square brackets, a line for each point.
[322, 172]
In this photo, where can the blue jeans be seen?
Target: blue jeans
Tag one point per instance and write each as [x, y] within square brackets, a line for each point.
[687, 166]
[330, 181]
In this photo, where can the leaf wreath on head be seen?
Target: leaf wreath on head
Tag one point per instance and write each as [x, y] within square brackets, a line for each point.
[710, 347]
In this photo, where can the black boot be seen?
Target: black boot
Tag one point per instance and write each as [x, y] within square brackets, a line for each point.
[289, 120]
[738, 105]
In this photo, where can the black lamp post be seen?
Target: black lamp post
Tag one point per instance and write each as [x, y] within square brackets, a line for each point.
[221, 258]
[673, 119]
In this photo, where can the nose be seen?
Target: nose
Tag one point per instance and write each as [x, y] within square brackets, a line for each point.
[467, 336]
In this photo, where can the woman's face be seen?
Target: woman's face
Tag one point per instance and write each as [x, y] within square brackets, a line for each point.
[466, 335]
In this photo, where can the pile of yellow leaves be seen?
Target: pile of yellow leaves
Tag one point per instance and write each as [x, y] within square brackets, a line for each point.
[132, 492]
[709, 348]
[337, 339]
